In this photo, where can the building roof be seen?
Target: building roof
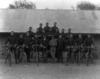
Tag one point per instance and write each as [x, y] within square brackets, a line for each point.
[80, 21]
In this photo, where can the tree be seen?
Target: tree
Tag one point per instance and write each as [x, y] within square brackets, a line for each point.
[86, 6]
[22, 4]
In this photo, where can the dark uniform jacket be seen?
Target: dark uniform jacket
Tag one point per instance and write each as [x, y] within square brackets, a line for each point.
[70, 42]
[27, 41]
[20, 41]
[47, 29]
[60, 44]
[79, 41]
[45, 43]
[11, 40]
[55, 29]
[40, 30]
[31, 34]
[63, 35]
[88, 42]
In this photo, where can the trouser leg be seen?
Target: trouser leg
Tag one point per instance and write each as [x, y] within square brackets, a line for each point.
[27, 50]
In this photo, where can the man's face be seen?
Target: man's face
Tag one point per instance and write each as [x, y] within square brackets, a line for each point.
[55, 24]
[47, 24]
[89, 36]
[30, 28]
[21, 36]
[71, 36]
[12, 33]
[27, 34]
[63, 30]
[40, 25]
[80, 36]
[69, 30]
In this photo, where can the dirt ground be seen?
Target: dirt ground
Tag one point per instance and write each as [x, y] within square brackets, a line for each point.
[49, 71]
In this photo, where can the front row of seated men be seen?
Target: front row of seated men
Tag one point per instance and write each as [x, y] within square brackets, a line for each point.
[53, 47]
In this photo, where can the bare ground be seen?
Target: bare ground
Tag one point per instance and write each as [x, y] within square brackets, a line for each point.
[49, 71]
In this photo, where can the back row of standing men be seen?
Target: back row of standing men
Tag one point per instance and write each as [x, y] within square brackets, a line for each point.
[57, 42]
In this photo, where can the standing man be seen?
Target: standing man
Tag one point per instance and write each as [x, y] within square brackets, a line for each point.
[40, 30]
[12, 42]
[69, 45]
[69, 32]
[60, 48]
[45, 48]
[47, 29]
[31, 33]
[63, 33]
[27, 42]
[89, 42]
[55, 30]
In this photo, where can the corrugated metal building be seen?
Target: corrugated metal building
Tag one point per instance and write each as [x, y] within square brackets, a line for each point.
[20, 20]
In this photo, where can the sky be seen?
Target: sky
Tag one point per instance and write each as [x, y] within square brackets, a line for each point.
[50, 4]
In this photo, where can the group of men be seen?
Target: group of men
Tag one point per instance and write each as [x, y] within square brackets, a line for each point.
[50, 40]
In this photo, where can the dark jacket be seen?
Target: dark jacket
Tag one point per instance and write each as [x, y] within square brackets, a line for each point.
[27, 41]
[11, 40]
[60, 44]
[40, 30]
[20, 41]
[79, 41]
[70, 42]
[55, 29]
[47, 29]
[45, 43]
[31, 34]
[88, 42]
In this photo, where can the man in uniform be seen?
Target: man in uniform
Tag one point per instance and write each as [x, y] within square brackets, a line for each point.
[12, 42]
[20, 44]
[45, 48]
[40, 30]
[89, 43]
[53, 44]
[69, 45]
[60, 48]
[47, 29]
[31, 34]
[63, 33]
[69, 32]
[79, 43]
[55, 30]
[27, 42]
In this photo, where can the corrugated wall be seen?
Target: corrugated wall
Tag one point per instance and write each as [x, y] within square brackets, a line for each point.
[80, 21]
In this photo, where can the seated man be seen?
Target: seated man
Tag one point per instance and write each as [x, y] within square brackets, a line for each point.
[53, 44]
[20, 47]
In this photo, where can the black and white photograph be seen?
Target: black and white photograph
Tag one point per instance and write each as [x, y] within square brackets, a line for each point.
[49, 39]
